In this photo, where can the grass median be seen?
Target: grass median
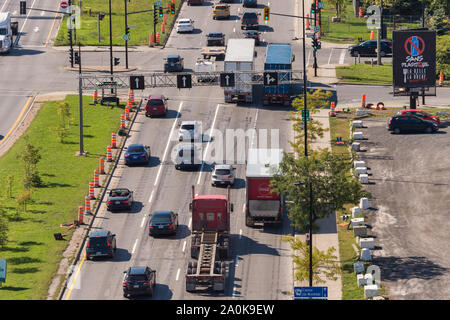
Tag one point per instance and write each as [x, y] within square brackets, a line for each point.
[88, 34]
[32, 253]
[365, 73]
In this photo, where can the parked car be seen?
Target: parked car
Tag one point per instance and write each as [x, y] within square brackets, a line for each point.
[369, 48]
[410, 123]
[252, 34]
[139, 280]
[101, 243]
[221, 11]
[215, 39]
[187, 156]
[156, 106]
[163, 222]
[250, 20]
[119, 199]
[197, 2]
[185, 25]
[137, 153]
[421, 114]
[190, 131]
[250, 3]
[174, 63]
[223, 174]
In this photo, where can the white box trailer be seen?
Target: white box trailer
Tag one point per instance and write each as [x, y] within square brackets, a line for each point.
[8, 29]
[240, 56]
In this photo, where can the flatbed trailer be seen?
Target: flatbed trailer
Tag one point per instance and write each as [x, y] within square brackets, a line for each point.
[208, 52]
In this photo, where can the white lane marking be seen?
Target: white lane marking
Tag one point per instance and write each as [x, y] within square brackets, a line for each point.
[143, 220]
[190, 221]
[3, 6]
[207, 146]
[240, 233]
[254, 127]
[151, 197]
[36, 29]
[178, 275]
[167, 146]
[341, 58]
[184, 245]
[26, 19]
[134, 246]
[243, 207]
[42, 13]
[329, 58]
[236, 262]
[309, 57]
[234, 29]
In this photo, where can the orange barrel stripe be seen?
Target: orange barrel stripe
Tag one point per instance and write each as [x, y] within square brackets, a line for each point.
[102, 165]
[307, 22]
[91, 190]
[150, 40]
[363, 101]
[96, 178]
[113, 140]
[108, 154]
[122, 121]
[80, 214]
[87, 205]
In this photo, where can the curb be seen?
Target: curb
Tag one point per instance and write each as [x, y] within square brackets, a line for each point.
[99, 201]
[363, 84]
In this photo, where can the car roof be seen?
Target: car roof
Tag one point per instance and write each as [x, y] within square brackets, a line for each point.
[173, 56]
[136, 145]
[136, 270]
[215, 34]
[156, 97]
[184, 20]
[222, 166]
[98, 233]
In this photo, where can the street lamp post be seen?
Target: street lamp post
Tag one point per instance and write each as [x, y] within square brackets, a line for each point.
[126, 32]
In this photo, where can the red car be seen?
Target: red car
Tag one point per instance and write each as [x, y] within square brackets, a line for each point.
[156, 106]
[421, 114]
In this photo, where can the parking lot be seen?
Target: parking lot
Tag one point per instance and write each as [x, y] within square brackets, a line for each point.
[409, 179]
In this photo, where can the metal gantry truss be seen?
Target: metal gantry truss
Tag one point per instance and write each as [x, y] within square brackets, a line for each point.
[93, 81]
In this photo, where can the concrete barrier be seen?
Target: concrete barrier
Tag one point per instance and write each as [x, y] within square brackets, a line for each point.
[365, 255]
[362, 112]
[370, 291]
[367, 243]
[356, 212]
[360, 280]
[364, 178]
[358, 135]
[364, 203]
[357, 222]
[361, 170]
[357, 124]
[358, 267]
[360, 231]
[356, 146]
[358, 164]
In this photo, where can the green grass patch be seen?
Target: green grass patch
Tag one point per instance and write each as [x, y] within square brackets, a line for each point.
[88, 33]
[339, 128]
[365, 73]
[32, 254]
[351, 28]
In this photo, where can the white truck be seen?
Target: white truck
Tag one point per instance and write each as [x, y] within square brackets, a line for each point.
[240, 56]
[8, 29]
[205, 69]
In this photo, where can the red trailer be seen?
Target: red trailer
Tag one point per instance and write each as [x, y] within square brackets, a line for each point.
[210, 241]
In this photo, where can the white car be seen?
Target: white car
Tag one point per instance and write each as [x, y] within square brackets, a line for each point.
[190, 131]
[185, 25]
[223, 174]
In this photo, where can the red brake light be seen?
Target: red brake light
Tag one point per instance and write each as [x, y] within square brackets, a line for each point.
[109, 201]
[147, 282]
[125, 283]
[150, 226]
[109, 244]
[126, 155]
[88, 245]
[125, 201]
[171, 225]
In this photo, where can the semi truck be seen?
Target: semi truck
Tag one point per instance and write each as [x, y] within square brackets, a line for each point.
[262, 205]
[239, 56]
[278, 57]
[8, 29]
[210, 242]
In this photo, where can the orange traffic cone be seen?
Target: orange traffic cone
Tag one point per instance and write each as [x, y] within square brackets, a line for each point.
[127, 112]
[108, 154]
[122, 121]
[95, 100]
[87, 205]
[332, 110]
[372, 35]
[96, 179]
[113, 140]
[158, 37]
[360, 13]
[441, 79]
[80, 214]
[163, 28]
[150, 40]
[91, 190]
[131, 97]
[307, 22]
[363, 101]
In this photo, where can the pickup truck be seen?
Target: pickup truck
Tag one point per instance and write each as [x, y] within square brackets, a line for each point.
[215, 39]
[174, 63]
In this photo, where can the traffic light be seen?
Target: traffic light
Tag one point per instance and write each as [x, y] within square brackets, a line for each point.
[69, 35]
[313, 8]
[266, 13]
[172, 8]
[101, 15]
[77, 58]
[71, 57]
[127, 30]
[316, 44]
[116, 61]
[161, 14]
[23, 7]
[155, 15]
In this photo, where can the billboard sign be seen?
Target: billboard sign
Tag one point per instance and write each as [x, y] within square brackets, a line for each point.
[414, 58]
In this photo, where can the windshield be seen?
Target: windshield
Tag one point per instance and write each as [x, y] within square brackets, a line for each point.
[184, 22]
[137, 277]
[187, 127]
[250, 16]
[161, 218]
[155, 102]
[136, 150]
[97, 242]
[119, 193]
[3, 32]
[222, 171]
[172, 59]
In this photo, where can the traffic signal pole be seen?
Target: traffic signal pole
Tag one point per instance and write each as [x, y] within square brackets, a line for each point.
[126, 32]
[70, 39]
[315, 51]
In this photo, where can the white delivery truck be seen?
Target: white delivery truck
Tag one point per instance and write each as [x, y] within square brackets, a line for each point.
[240, 56]
[205, 68]
[8, 29]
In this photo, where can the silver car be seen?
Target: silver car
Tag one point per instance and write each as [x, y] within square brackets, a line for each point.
[223, 174]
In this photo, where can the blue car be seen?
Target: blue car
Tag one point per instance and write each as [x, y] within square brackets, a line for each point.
[136, 154]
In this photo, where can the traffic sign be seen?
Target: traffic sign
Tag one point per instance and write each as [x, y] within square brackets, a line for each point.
[227, 80]
[316, 29]
[310, 293]
[321, 5]
[126, 37]
[310, 35]
[184, 81]
[64, 6]
[158, 3]
[303, 117]
[270, 78]
[137, 83]
[2, 270]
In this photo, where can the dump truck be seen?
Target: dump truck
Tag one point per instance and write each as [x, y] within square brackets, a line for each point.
[210, 242]
[262, 205]
[240, 56]
[278, 57]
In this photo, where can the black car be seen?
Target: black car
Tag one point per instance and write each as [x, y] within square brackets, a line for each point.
[174, 63]
[410, 123]
[139, 280]
[249, 20]
[252, 34]
[119, 199]
[250, 3]
[101, 243]
[215, 39]
[369, 48]
[163, 222]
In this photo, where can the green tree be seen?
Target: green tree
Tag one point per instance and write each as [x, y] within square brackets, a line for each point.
[439, 21]
[22, 200]
[443, 55]
[30, 158]
[63, 109]
[9, 185]
[4, 228]
[324, 263]
[338, 5]
[61, 132]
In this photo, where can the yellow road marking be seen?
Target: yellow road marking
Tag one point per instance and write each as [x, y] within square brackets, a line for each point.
[75, 277]
[17, 120]
[51, 29]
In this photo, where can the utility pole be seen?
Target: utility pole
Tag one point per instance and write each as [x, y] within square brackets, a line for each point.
[110, 41]
[126, 32]
[315, 51]
[70, 39]
[80, 100]
[423, 26]
[379, 34]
